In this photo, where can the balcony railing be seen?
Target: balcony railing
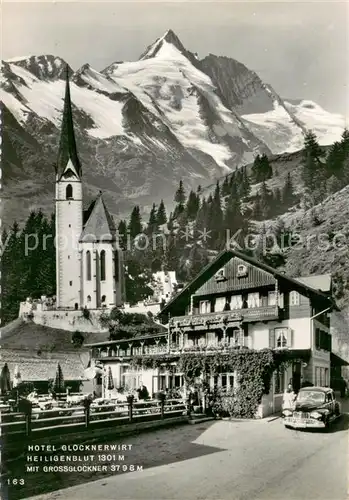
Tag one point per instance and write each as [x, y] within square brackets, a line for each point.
[135, 351]
[207, 320]
[209, 347]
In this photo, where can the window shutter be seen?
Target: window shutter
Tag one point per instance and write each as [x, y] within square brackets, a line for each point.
[290, 338]
[272, 338]
[185, 339]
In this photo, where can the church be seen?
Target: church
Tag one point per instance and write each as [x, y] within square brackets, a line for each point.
[89, 261]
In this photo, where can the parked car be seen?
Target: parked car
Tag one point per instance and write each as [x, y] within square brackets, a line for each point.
[315, 407]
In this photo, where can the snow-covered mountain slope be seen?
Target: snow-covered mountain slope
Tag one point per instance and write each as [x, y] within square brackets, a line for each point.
[143, 125]
[282, 127]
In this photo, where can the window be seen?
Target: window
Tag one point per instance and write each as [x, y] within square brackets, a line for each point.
[253, 300]
[271, 298]
[225, 381]
[294, 299]
[219, 304]
[242, 271]
[236, 338]
[70, 283]
[280, 338]
[68, 257]
[88, 265]
[116, 266]
[205, 306]
[281, 335]
[102, 258]
[220, 275]
[281, 300]
[88, 298]
[104, 298]
[236, 302]
[69, 192]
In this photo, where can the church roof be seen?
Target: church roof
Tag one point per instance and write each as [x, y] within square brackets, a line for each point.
[100, 225]
[67, 145]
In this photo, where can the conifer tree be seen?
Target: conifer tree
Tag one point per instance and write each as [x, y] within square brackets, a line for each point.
[246, 186]
[313, 168]
[58, 385]
[192, 206]
[202, 216]
[161, 214]
[122, 230]
[225, 187]
[135, 223]
[215, 218]
[288, 197]
[179, 199]
[152, 223]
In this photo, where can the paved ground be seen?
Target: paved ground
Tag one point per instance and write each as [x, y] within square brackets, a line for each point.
[224, 460]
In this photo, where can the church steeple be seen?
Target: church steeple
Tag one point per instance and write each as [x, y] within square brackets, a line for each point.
[67, 145]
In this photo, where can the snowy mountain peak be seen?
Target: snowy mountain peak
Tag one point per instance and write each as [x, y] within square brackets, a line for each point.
[43, 67]
[166, 46]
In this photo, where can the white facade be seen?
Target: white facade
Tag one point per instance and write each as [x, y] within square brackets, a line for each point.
[68, 229]
[89, 266]
[102, 275]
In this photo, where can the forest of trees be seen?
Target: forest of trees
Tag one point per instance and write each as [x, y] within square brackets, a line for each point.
[193, 232]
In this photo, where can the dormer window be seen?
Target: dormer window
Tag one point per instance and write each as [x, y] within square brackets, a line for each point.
[69, 192]
[242, 271]
[220, 275]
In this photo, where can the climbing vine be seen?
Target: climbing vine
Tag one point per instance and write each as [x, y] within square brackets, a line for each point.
[254, 371]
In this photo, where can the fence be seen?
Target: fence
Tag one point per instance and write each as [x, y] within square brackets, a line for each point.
[63, 420]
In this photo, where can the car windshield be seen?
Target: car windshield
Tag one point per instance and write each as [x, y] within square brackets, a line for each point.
[311, 396]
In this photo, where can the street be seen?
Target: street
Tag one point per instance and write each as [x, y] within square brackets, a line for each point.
[232, 460]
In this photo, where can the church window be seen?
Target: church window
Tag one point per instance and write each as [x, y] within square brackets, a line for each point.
[69, 192]
[116, 263]
[102, 258]
[88, 265]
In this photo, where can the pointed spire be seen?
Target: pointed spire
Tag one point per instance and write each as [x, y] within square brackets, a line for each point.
[67, 145]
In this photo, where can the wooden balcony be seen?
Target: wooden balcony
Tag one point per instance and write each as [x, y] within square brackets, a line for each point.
[110, 353]
[212, 347]
[227, 318]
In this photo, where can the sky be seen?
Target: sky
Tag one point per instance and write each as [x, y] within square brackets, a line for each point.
[300, 48]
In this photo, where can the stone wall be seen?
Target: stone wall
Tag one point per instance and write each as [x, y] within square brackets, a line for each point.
[69, 320]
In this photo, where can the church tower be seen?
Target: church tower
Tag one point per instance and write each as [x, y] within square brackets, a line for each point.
[69, 212]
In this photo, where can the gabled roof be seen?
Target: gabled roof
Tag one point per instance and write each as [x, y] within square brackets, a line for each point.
[37, 349]
[320, 282]
[67, 145]
[42, 367]
[100, 225]
[223, 258]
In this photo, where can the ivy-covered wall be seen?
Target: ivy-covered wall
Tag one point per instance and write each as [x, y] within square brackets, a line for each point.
[254, 371]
